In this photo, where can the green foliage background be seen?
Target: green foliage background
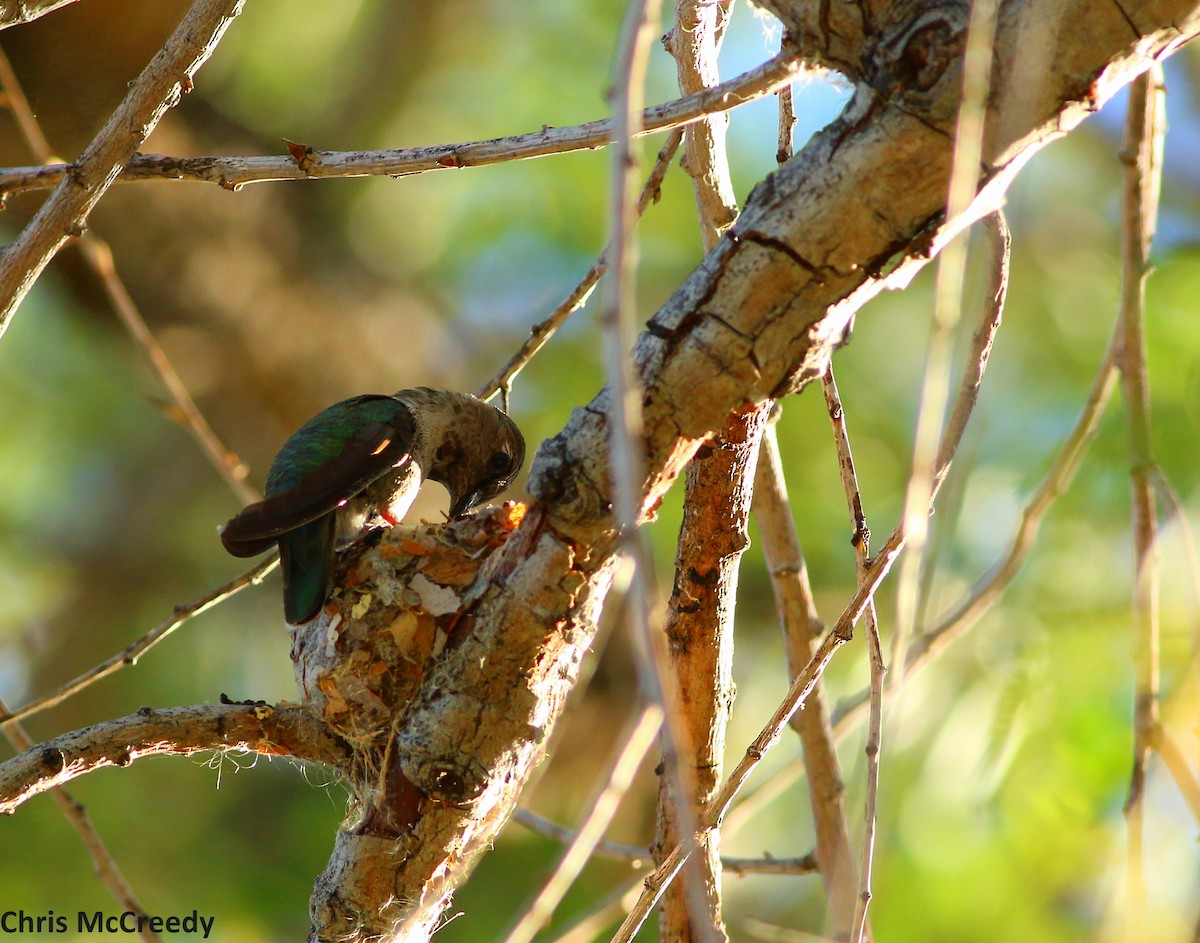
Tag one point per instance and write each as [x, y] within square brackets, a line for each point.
[1005, 764]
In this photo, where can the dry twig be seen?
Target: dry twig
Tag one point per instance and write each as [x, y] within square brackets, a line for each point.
[694, 42]
[637, 857]
[1142, 155]
[802, 630]
[988, 590]
[861, 541]
[235, 172]
[177, 731]
[159, 88]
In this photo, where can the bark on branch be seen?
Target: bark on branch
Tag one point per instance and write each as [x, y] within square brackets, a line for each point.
[178, 731]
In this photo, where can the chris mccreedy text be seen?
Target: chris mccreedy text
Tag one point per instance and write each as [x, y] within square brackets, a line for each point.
[97, 921]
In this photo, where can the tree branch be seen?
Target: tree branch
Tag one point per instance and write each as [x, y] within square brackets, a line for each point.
[699, 630]
[15, 12]
[306, 163]
[159, 88]
[178, 731]
[802, 629]
[1142, 153]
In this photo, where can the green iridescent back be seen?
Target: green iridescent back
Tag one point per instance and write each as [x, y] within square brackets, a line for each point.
[323, 437]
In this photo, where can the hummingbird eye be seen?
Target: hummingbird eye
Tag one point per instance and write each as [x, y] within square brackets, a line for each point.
[499, 464]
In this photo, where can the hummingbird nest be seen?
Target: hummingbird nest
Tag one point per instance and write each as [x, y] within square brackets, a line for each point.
[394, 606]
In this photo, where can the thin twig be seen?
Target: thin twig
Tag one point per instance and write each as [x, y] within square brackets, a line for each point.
[694, 42]
[633, 855]
[159, 88]
[16, 102]
[951, 280]
[861, 541]
[638, 858]
[309, 164]
[636, 742]
[1142, 155]
[501, 382]
[787, 125]
[997, 261]
[176, 731]
[226, 462]
[76, 813]
[1178, 515]
[802, 629]
[99, 258]
[998, 248]
[131, 653]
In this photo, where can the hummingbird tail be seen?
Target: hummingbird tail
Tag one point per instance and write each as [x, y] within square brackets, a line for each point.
[305, 556]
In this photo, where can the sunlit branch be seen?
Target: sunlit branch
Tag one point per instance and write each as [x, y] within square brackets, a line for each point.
[178, 731]
[309, 164]
[14, 12]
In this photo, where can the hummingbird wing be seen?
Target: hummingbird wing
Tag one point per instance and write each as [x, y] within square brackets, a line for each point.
[346, 448]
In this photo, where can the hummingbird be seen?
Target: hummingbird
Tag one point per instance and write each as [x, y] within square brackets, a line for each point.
[356, 467]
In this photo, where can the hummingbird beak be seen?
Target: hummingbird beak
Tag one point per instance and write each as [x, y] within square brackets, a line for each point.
[464, 503]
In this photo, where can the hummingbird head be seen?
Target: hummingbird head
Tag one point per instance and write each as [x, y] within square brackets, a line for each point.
[477, 449]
